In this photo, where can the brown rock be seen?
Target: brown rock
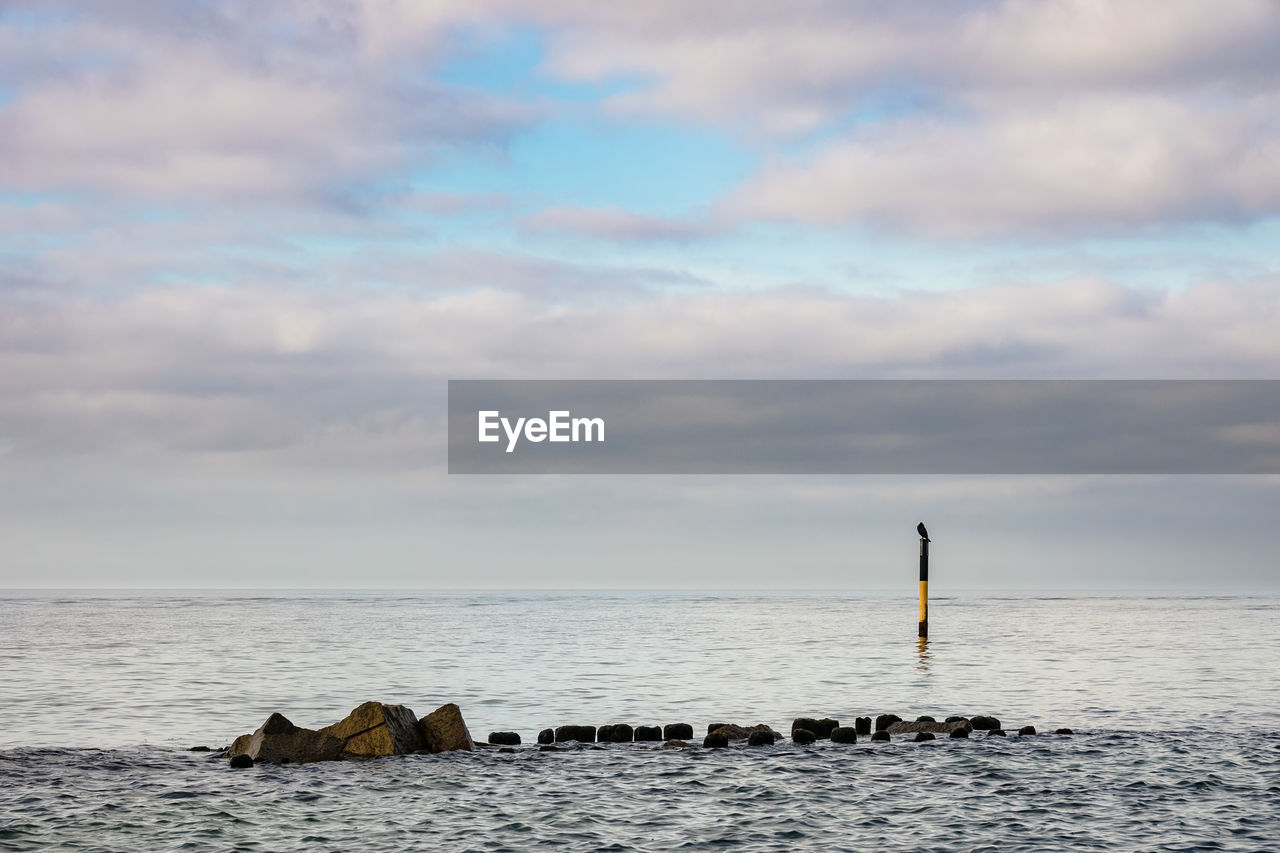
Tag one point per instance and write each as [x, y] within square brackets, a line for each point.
[904, 728]
[733, 731]
[444, 730]
[377, 729]
[280, 741]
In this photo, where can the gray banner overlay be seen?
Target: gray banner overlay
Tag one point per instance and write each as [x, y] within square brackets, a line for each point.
[864, 427]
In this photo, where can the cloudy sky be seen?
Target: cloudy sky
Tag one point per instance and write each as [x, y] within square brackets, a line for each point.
[243, 245]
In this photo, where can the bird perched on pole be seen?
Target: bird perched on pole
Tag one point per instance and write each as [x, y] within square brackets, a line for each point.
[924, 534]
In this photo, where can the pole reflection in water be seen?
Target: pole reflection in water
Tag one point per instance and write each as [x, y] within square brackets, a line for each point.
[922, 655]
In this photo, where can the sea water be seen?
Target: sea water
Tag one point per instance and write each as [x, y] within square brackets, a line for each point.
[1173, 702]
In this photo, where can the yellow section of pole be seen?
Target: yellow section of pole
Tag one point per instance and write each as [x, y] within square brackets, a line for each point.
[924, 608]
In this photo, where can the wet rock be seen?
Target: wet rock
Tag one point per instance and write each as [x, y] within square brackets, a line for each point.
[678, 731]
[547, 736]
[241, 761]
[925, 719]
[984, 723]
[199, 749]
[1063, 732]
[582, 734]
[444, 730]
[1027, 730]
[735, 732]
[803, 736]
[902, 727]
[821, 728]
[280, 741]
[617, 733]
[377, 729]
[507, 749]
[844, 734]
[504, 738]
[996, 733]
[880, 735]
[676, 743]
[548, 747]
[862, 725]
[648, 734]
[961, 731]
[923, 736]
[715, 740]
[711, 727]
[885, 720]
[954, 719]
[762, 738]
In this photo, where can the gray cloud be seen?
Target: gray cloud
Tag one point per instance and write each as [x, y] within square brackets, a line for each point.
[617, 225]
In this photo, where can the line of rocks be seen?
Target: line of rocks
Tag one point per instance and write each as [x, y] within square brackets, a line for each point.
[375, 729]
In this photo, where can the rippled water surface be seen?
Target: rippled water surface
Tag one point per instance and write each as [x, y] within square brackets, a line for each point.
[1173, 702]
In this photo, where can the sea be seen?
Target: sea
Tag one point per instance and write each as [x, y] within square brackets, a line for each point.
[1172, 702]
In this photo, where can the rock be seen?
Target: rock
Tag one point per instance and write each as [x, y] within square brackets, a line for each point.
[880, 735]
[844, 734]
[240, 761]
[995, 733]
[961, 731]
[821, 728]
[735, 732]
[715, 740]
[1027, 730]
[862, 725]
[444, 730]
[956, 719]
[377, 729]
[762, 738]
[548, 747]
[923, 736]
[647, 734]
[280, 741]
[507, 749]
[617, 733]
[711, 727]
[582, 734]
[678, 731]
[904, 728]
[676, 743]
[885, 720]
[984, 723]
[547, 736]
[803, 736]
[198, 749]
[1063, 732]
[925, 720]
[504, 738]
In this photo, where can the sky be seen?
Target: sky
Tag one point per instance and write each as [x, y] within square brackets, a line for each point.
[244, 245]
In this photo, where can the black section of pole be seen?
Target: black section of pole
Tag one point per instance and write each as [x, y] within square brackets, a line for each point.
[924, 588]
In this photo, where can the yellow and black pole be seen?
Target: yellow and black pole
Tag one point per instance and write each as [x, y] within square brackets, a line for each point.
[924, 581]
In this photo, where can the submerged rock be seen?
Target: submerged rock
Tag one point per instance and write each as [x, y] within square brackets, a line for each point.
[885, 720]
[444, 730]
[716, 740]
[984, 723]
[648, 734]
[199, 749]
[278, 740]
[678, 731]
[504, 738]
[582, 734]
[923, 736]
[1063, 732]
[862, 725]
[995, 733]
[961, 731]
[676, 743]
[377, 729]
[547, 736]
[241, 761]
[880, 735]
[762, 738]
[803, 736]
[844, 734]
[1027, 730]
